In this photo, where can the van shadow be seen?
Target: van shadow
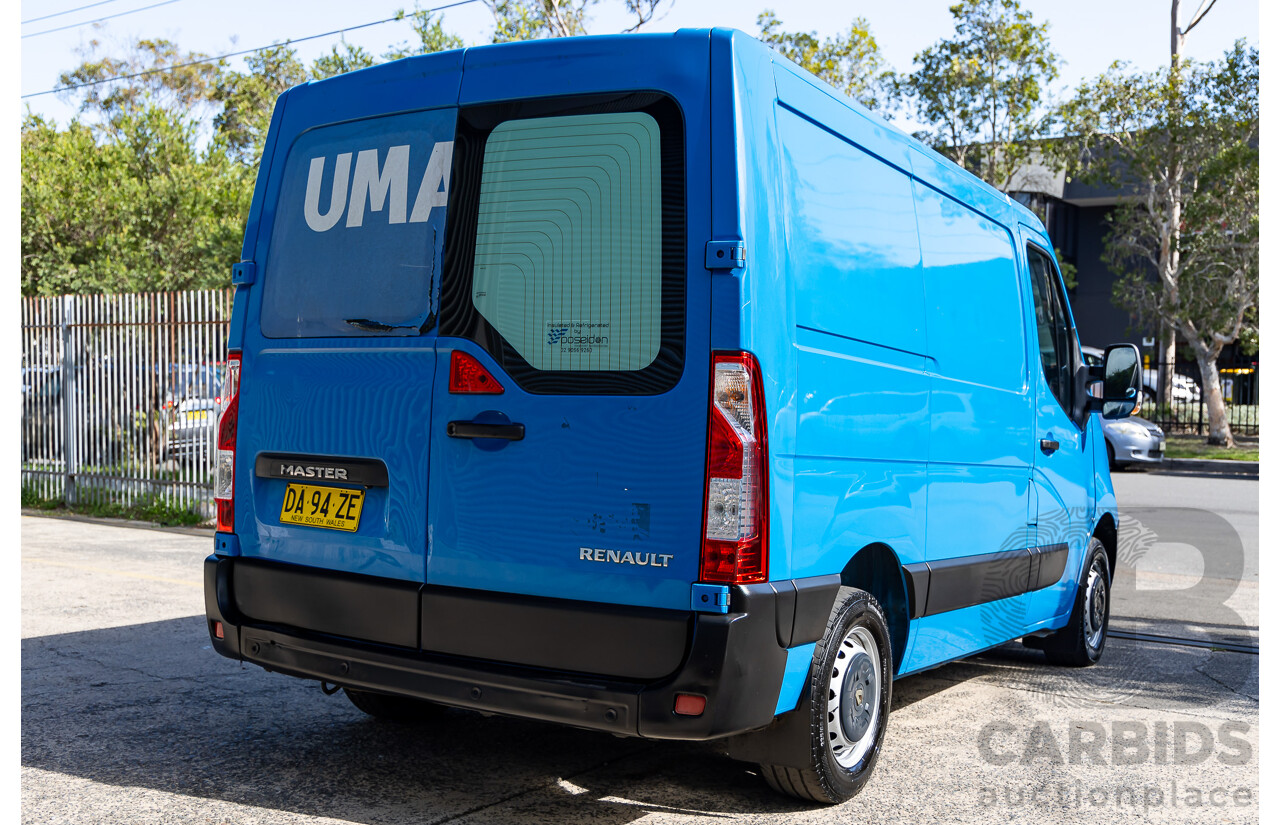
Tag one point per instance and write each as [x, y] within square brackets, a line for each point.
[152, 706]
[1130, 674]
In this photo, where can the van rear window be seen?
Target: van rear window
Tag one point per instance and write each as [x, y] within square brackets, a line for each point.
[567, 258]
[359, 228]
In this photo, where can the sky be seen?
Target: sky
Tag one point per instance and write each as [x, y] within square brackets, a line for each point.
[1087, 34]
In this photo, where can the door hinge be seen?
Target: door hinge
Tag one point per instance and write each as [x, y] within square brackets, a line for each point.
[710, 598]
[243, 273]
[726, 254]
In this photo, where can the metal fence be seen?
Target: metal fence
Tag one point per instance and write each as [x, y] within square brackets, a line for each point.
[1185, 412]
[120, 395]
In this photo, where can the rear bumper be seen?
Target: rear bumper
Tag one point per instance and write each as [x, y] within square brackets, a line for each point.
[735, 660]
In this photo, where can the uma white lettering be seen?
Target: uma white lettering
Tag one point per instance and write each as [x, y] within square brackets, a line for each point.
[385, 187]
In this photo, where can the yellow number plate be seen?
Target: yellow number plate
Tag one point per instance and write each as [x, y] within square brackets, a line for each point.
[330, 507]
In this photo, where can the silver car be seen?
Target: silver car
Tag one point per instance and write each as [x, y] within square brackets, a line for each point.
[1133, 440]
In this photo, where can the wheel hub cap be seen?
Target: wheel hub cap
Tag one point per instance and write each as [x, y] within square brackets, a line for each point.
[859, 687]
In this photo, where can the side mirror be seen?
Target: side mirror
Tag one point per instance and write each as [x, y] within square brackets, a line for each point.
[1121, 378]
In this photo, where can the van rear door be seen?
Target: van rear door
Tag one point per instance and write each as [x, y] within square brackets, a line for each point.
[570, 279]
[338, 358]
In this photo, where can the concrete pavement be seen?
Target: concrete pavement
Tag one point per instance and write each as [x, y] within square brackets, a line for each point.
[129, 717]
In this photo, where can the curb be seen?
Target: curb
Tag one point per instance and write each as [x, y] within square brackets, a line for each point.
[198, 532]
[1196, 466]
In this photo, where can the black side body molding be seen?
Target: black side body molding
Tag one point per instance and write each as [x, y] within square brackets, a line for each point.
[952, 584]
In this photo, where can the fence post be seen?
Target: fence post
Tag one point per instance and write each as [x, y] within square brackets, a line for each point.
[69, 458]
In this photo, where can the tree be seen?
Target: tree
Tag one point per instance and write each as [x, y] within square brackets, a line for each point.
[247, 100]
[431, 38]
[155, 72]
[1181, 143]
[1177, 40]
[340, 61]
[536, 19]
[983, 89]
[141, 208]
[851, 62]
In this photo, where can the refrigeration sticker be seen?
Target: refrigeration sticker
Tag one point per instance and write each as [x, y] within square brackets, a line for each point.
[578, 336]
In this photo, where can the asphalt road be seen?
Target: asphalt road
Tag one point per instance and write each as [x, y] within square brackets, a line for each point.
[1188, 556]
[129, 717]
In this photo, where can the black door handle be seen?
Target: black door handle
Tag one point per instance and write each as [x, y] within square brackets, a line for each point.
[470, 429]
[1048, 445]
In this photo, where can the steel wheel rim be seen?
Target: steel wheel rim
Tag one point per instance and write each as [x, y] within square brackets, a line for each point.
[849, 674]
[1095, 605]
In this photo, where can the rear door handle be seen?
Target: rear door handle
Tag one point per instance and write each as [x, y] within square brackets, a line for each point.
[1048, 445]
[470, 429]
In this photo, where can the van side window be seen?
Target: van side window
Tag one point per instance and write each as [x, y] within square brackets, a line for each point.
[567, 275]
[1053, 326]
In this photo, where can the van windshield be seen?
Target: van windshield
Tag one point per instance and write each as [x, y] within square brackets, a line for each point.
[359, 228]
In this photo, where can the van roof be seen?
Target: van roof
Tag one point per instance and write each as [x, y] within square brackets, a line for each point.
[684, 47]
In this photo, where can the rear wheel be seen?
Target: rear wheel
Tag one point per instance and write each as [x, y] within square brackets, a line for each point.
[850, 687]
[392, 708]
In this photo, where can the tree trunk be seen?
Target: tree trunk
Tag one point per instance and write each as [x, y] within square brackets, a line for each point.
[1211, 393]
[1168, 353]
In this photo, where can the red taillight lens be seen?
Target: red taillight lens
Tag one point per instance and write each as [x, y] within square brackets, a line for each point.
[735, 548]
[224, 486]
[468, 376]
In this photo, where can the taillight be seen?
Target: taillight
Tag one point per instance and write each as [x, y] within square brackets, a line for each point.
[224, 484]
[468, 376]
[735, 547]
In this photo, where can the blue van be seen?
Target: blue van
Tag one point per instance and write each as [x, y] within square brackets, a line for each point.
[645, 384]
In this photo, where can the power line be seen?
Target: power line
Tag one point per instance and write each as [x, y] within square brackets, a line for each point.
[99, 20]
[68, 11]
[240, 53]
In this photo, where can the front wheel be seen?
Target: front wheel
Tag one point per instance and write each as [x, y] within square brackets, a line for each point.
[1082, 641]
[850, 687]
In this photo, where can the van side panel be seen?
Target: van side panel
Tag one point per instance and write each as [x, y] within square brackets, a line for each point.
[982, 421]
[751, 308]
[854, 280]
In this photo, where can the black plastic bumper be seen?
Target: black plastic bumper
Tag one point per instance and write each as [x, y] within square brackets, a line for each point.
[735, 660]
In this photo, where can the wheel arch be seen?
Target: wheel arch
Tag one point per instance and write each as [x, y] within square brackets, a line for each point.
[1107, 533]
[877, 570]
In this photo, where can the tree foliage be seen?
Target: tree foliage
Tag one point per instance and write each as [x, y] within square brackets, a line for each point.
[850, 62]
[143, 210]
[537, 19]
[1181, 143]
[983, 90]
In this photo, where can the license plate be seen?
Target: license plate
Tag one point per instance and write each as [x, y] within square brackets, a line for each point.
[199, 415]
[332, 508]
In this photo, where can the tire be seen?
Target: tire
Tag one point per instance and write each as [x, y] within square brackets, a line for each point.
[392, 708]
[1082, 641]
[1111, 457]
[845, 736]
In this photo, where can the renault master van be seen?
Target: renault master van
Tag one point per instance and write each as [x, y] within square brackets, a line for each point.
[629, 383]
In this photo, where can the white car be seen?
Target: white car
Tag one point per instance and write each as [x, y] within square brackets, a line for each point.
[1184, 387]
